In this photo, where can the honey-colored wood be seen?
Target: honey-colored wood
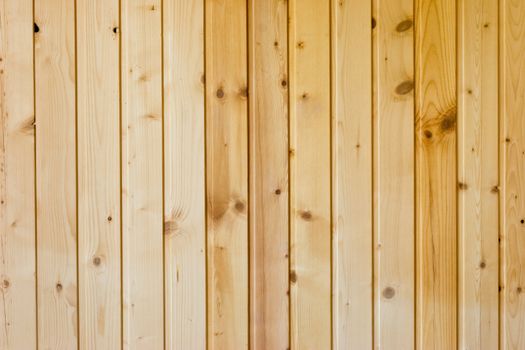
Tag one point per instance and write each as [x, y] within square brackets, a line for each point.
[352, 174]
[268, 65]
[56, 194]
[142, 178]
[17, 178]
[98, 142]
[436, 178]
[310, 222]
[234, 174]
[184, 201]
[512, 173]
[478, 174]
[227, 173]
[394, 174]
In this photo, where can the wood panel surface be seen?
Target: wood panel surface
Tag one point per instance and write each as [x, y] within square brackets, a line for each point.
[393, 174]
[352, 174]
[310, 221]
[512, 175]
[98, 142]
[227, 173]
[234, 174]
[56, 174]
[478, 174]
[17, 178]
[436, 176]
[269, 244]
[142, 176]
[184, 175]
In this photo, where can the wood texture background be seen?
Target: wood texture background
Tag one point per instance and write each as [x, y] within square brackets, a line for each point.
[278, 174]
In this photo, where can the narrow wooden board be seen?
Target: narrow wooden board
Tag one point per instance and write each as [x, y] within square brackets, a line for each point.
[436, 178]
[310, 221]
[17, 177]
[227, 173]
[478, 174]
[98, 130]
[55, 106]
[142, 175]
[269, 296]
[184, 208]
[352, 173]
[394, 295]
[512, 173]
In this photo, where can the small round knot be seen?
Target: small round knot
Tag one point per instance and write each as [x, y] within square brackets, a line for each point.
[389, 292]
[97, 261]
[306, 215]
[5, 284]
[59, 287]
[36, 28]
[278, 191]
[293, 276]
[482, 264]
[405, 87]
[428, 134]
[404, 25]
[220, 93]
[239, 206]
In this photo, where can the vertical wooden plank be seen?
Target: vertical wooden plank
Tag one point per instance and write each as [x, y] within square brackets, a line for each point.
[352, 174]
[310, 221]
[269, 296]
[142, 178]
[478, 173]
[184, 210]
[436, 179]
[227, 173]
[17, 176]
[55, 106]
[394, 174]
[98, 126]
[512, 173]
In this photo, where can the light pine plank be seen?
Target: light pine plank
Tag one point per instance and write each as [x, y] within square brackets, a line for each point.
[269, 296]
[310, 221]
[352, 173]
[17, 176]
[394, 295]
[436, 179]
[142, 178]
[478, 174]
[98, 130]
[55, 78]
[227, 173]
[512, 173]
[184, 210]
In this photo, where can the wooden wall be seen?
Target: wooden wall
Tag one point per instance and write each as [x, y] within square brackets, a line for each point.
[262, 174]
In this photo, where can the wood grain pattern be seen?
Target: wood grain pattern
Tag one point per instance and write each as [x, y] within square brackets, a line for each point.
[55, 106]
[98, 143]
[352, 174]
[436, 179]
[269, 295]
[17, 178]
[394, 174]
[310, 222]
[142, 177]
[512, 173]
[227, 173]
[478, 174]
[184, 192]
